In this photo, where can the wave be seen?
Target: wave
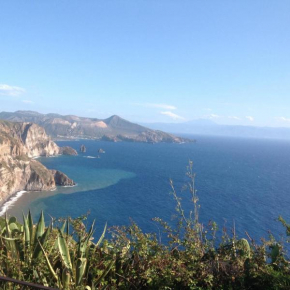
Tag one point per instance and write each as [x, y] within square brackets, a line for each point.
[9, 203]
[93, 157]
[71, 185]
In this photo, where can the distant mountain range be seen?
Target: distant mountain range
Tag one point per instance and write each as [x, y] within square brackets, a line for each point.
[208, 127]
[74, 127]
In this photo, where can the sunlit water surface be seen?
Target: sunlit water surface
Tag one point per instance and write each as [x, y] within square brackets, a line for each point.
[245, 182]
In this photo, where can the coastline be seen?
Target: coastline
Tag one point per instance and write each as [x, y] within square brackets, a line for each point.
[10, 202]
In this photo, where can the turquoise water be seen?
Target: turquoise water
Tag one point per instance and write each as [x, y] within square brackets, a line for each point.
[241, 181]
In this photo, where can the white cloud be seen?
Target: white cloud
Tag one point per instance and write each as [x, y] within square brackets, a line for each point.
[234, 117]
[13, 91]
[250, 118]
[283, 119]
[172, 115]
[160, 106]
[27, 102]
[212, 116]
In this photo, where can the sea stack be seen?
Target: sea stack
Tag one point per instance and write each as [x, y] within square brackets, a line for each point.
[83, 148]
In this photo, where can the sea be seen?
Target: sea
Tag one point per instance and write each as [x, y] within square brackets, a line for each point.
[242, 184]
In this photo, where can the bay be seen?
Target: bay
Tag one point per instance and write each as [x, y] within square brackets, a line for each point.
[239, 181]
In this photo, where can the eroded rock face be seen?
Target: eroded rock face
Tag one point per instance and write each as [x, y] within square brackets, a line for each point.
[17, 175]
[18, 143]
[40, 178]
[62, 179]
[66, 150]
[36, 141]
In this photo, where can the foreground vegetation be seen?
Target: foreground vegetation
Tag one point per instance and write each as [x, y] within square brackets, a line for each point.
[192, 257]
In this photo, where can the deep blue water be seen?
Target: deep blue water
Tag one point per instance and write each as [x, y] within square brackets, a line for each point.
[245, 181]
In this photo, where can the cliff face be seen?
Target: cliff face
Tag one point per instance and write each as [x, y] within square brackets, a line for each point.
[37, 142]
[18, 143]
[62, 179]
[66, 150]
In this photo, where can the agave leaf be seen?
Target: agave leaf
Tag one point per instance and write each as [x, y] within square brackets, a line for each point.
[26, 231]
[66, 278]
[102, 236]
[80, 270]
[40, 226]
[13, 227]
[43, 241]
[8, 232]
[9, 239]
[83, 242]
[91, 231]
[48, 263]
[63, 227]
[82, 247]
[30, 225]
[30, 221]
[62, 230]
[67, 228]
[11, 246]
[64, 252]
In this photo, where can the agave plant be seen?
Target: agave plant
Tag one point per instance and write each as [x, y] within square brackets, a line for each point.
[50, 254]
[76, 264]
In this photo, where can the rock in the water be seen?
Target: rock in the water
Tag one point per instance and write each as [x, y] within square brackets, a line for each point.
[83, 148]
[62, 179]
[66, 150]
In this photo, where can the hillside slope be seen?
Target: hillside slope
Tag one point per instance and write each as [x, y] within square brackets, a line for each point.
[111, 129]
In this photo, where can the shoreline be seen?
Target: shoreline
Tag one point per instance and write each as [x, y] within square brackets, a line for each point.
[12, 199]
[10, 202]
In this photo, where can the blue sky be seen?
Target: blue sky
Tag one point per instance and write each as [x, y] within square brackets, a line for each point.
[148, 61]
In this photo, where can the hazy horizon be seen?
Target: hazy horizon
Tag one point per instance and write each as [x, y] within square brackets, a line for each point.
[200, 126]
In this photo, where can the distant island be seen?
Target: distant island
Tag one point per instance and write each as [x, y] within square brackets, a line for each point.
[114, 129]
[211, 128]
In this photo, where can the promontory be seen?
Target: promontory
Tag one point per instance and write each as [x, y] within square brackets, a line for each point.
[20, 142]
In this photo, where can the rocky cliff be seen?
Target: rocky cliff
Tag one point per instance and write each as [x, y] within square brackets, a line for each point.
[19, 143]
[62, 179]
